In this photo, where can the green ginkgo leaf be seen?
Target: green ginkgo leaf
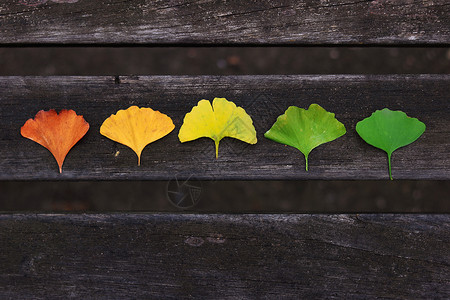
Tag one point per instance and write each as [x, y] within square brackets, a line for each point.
[305, 129]
[389, 130]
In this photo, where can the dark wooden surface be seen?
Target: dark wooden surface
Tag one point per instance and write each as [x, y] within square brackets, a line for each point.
[291, 22]
[264, 98]
[127, 256]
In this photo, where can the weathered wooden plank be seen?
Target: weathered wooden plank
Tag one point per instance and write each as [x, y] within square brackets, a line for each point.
[127, 256]
[352, 98]
[291, 22]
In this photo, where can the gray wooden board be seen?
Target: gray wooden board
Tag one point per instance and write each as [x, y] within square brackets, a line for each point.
[264, 98]
[289, 22]
[149, 256]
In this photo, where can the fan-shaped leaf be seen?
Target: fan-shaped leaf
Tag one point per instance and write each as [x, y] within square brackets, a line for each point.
[222, 119]
[56, 132]
[389, 130]
[305, 129]
[137, 127]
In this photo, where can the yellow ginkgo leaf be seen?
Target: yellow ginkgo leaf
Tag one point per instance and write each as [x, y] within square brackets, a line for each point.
[222, 119]
[137, 127]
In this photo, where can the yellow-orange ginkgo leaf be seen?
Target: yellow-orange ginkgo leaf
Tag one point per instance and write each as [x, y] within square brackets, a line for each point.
[137, 127]
[56, 132]
[222, 119]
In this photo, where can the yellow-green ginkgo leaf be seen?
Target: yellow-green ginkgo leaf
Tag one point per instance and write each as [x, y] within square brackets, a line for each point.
[222, 119]
[305, 129]
[137, 127]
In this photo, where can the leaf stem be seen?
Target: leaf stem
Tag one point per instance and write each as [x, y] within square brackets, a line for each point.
[217, 148]
[306, 160]
[389, 164]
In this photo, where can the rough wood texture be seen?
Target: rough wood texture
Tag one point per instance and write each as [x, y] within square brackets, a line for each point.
[124, 256]
[352, 98]
[291, 22]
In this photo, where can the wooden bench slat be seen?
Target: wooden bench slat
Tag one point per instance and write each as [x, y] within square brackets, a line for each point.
[264, 98]
[119, 256]
[288, 22]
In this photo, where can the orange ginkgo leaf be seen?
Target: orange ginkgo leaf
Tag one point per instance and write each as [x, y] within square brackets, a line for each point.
[137, 127]
[56, 132]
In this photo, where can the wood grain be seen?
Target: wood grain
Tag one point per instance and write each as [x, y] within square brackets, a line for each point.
[265, 22]
[127, 256]
[264, 98]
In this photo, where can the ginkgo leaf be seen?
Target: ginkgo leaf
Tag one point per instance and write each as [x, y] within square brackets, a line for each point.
[56, 132]
[222, 119]
[389, 130]
[305, 129]
[137, 127]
